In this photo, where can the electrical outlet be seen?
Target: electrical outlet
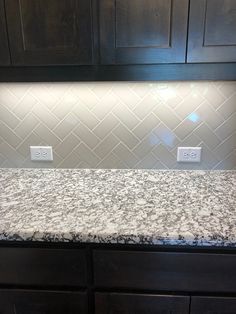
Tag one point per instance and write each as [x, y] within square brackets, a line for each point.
[41, 153]
[189, 154]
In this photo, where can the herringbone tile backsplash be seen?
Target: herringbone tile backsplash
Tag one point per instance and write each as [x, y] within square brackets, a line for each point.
[119, 125]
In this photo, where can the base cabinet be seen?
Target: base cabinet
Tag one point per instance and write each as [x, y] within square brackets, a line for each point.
[42, 302]
[213, 305]
[82, 279]
[117, 303]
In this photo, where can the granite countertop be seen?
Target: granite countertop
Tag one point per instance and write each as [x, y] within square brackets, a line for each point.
[119, 206]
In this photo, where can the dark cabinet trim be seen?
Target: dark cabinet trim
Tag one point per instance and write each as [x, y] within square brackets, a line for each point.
[116, 303]
[161, 72]
[4, 48]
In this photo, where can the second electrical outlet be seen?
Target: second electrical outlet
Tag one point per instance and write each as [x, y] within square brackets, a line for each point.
[41, 153]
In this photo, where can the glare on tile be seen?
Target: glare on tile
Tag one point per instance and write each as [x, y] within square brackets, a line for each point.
[153, 139]
[167, 93]
[193, 117]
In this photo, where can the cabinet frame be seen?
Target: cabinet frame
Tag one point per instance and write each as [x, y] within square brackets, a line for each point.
[4, 51]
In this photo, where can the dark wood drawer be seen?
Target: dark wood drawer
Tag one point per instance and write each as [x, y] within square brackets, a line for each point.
[42, 302]
[165, 271]
[213, 305]
[43, 267]
[116, 303]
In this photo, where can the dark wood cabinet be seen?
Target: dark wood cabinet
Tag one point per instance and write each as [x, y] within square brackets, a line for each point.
[143, 31]
[42, 302]
[4, 50]
[212, 31]
[117, 40]
[73, 278]
[213, 305]
[43, 267]
[117, 303]
[50, 32]
[165, 271]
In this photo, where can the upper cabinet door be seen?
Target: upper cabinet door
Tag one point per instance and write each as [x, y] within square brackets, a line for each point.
[4, 51]
[143, 31]
[212, 31]
[50, 32]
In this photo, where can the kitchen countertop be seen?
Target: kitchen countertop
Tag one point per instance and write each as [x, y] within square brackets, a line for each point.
[196, 208]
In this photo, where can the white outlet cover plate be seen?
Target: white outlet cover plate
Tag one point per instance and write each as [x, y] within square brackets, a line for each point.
[41, 153]
[189, 154]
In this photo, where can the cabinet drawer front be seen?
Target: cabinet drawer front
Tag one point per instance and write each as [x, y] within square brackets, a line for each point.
[41, 302]
[24, 266]
[116, 303]
[213, 305]
[165, 271]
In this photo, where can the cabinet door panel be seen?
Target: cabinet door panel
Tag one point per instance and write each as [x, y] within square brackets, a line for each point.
[117, 303]
[50, 31]
[143, 31]
[212, 35]
[4, 51]
[42, 302]
[213, 305]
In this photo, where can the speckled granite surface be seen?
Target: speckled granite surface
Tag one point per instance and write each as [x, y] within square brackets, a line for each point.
[119, 206]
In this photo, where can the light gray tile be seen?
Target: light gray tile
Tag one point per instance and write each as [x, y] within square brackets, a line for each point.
[207, 136]
[10, 119]
[68, 145]
[228, 107]
[106, 126]
[106, 146]
[227, 128]
[25, 105]
[47, 135]
[163, 154]
[112, 162]
[31, 140]
[126, 136]
[86, 155]
[149, 162]
[146, 126]
[206, 113]
[66, 126]
[27, 125]
[167, 136]
[125, 155]
[226, 147]
[167, 115]
[189, 105]
[8, 135]
[86, 136]
[45, 115]
[146, 106]
[105, 105]
[126, 116]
